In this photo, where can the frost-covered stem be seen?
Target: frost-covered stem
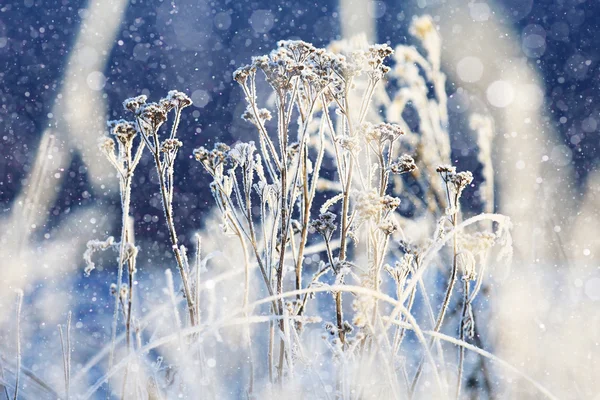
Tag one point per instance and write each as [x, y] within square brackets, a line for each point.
[18, 326]
[66, 350]
[125, 204]
[271, 350]
[449, 290]
[347, 187]
[198, 267]
[172, 234]
[175, 122]
[461, 337]
[382, 175]
[131, 268]
[284, 231]
[252, 232]
[250, 99]
[304, 233]
[245, 307]
[345, 206]
[339, 315]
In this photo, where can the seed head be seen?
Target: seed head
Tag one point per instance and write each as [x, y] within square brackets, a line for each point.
[134, 103]
[404, 164]
[152, 114]
[175, 99]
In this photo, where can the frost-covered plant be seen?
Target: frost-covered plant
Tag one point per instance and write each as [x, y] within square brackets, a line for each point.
[278, 197]
[330, 96]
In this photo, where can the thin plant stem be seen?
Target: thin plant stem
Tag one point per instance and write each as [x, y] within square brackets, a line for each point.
[461, 336]
[449, 290]
[18, 328]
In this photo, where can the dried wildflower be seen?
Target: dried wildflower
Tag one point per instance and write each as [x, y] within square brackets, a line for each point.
[219, 153]
[390, 203]
[201, 154]
[113, 289]
[375, 56]
[388, 227]
[401, 269]
[297, 49]
[350, 144]
[152, 114]
[460, 181]
[263, 115]
[446, 169]
[382, 132]
[241, 74]
[171, 145]
[134, 103]
[324, 225]
[242, 154]
[404, 164]
[123, 130]
[213, 160]
[175, 99]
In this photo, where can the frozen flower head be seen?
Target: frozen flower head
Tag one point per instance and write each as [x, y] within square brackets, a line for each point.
[175, 99]
[404, 164]
[214, 159]
[281, 66]
[153, 115]
[373, 60]
[460, 180]
[297, 49]
[134, 103]
[171, 145]
[123, 130]
[390, 203]
[324, 225]
[456, 181]
[201, 154]
[382, 132]
[388, 227]
[401, 269]
[242, 154]
[241, 74]
[446, 169]
[350, 144]
[377, 54]
[263, 115]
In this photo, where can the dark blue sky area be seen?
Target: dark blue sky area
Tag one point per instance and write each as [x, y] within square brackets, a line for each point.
[194, 46]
